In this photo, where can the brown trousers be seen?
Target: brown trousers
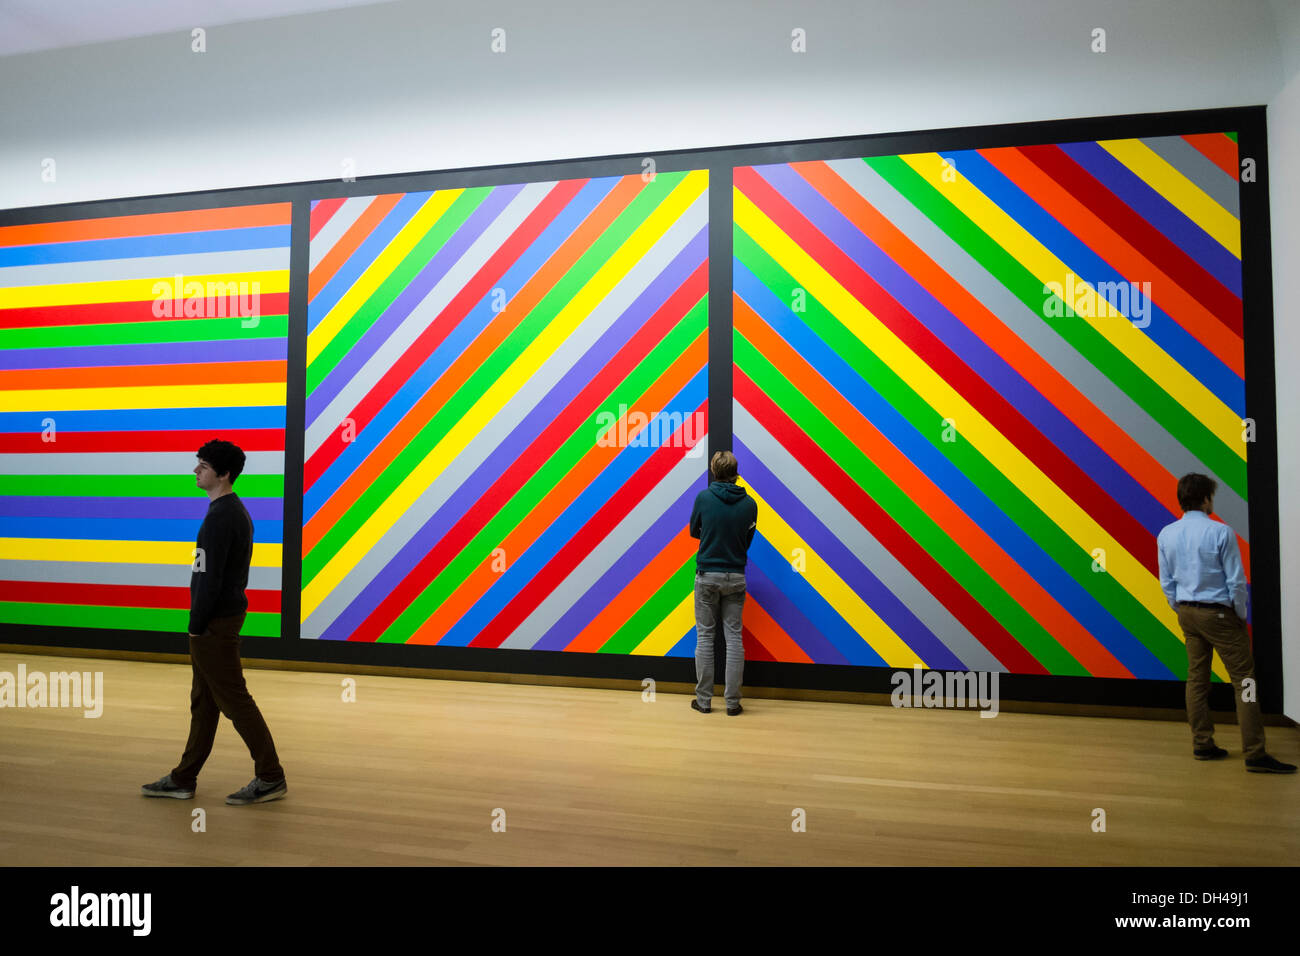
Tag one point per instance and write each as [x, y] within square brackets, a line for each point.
[218, 689]
[1207, 630]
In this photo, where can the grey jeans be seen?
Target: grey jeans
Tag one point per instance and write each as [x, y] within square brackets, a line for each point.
[720, 596]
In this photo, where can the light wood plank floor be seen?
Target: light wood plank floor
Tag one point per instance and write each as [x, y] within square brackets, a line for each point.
[411, 773]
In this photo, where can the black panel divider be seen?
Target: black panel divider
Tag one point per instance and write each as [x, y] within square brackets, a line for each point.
[1248, 122]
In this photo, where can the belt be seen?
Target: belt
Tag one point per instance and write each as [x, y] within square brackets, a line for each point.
[1204, 604]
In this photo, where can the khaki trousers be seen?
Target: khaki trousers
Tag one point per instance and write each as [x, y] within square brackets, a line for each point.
[1209, 629]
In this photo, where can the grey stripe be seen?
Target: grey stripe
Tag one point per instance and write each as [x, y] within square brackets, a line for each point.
[516, 409]
[338, 224]
[1109, 399]
[129, 463]
[415, 324]
[617, 543]
[1197, 167]
[99, 572]
[850, 532]
[161, 268]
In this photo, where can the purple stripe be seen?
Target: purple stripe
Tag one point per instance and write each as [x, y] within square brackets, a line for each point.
[524, 434]
[146, 353]
[847, 566]
[59, 506]
[614, 581]
[772, 599]
[414, 293]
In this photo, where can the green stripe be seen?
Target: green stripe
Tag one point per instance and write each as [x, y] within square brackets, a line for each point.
[487, 375]
[136, 333]
[1003, 266]
[651, 614]
[526, 500]
[1231, 136]
[257, 624]
[132, 486]
[879, 376]
[397, 282]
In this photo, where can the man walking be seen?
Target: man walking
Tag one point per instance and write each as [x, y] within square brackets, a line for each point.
[1203, 580]
[218, 607]
[724, 519]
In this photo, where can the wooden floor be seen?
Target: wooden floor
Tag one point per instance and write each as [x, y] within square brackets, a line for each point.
[412, 772]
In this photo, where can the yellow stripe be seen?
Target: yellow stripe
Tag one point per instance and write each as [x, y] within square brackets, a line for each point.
[948, 403]
[178, 553]
[1127, 338]
[574, 312]
[425, 218]
[1191, 200]
[847, 604]
[224, 395]
[135, 290]
[670, 630]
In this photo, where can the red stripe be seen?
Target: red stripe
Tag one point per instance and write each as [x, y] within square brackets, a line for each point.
[30, 443]
[925, 569]
[1146, 238]
[323, 213]
[121, 595]
[995, 408]
[439, 328]
[1219, 149]
[534, 456]
[592, 532]
[105, 313]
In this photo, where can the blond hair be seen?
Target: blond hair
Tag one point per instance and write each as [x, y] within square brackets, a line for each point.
[723, 466]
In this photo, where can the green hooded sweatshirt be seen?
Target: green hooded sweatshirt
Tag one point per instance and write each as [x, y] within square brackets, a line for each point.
[724, 519]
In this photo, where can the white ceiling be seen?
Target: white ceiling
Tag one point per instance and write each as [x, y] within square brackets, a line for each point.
[27, 26]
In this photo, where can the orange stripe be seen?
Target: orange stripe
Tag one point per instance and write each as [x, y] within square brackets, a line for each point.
[127, 376]
[369, 471]
[351, 240]
[772, 636]
[1218, 149]
[552, 505]
[951, 519]
[152, 224]
[1206, 327]
[639, 591]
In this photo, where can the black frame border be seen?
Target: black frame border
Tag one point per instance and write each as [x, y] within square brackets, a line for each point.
[1250, 124]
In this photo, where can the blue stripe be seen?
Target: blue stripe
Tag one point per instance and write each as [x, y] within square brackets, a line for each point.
[135, 247]
[123, 529]
[146, 419]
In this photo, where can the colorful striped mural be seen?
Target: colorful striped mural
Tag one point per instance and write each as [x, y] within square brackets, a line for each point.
[506, 399]
[965, 386]
[125, 344]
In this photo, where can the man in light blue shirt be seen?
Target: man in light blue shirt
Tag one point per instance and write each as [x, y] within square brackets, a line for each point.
[1203, 580]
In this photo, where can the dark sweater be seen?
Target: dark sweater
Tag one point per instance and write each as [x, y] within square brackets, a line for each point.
[724, 519]
[226, 540]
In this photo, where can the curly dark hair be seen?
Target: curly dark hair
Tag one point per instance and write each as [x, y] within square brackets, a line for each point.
[224, 457]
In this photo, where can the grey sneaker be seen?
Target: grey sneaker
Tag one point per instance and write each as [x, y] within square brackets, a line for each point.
[165, 788]
[258, 791]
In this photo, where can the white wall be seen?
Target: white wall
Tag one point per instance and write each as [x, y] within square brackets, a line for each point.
[411, 85]
[1284, 211]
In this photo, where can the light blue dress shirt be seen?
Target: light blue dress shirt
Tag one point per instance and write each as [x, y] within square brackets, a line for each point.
[1199, 561]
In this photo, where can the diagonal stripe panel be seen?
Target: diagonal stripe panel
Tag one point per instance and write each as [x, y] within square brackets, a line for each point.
[965, 386]
[506, 409]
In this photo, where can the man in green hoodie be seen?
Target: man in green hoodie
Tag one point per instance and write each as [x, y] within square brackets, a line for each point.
[724, 519]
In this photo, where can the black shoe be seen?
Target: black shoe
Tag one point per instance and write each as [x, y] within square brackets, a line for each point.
[1267, 764]
[258, 791]
[1209, 753]
[733, 711]
[695, 705]
[165, 788]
